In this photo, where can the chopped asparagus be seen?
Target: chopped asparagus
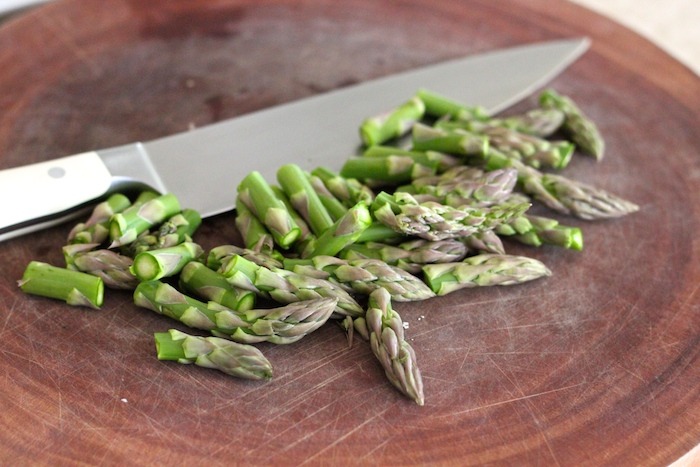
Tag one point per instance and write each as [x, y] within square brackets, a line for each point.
[164, 262]
[74, 287]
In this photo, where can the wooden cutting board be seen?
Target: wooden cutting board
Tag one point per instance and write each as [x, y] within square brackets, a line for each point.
[596, 365]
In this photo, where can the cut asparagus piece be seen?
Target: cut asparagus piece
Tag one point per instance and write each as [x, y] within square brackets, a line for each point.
[126, 226]
[411, 255]
[286, 286]
[343, 232]
[113, 268]
[281, 325]
[74, 287]
[219, 255]
[255, 235]
[458, 142]
[563, 194]
[483, 270]
[439, 106]
[535, 122]
[259, 197]
[177, 229]
[442, 161]
[385, 170]
[163, 262]
[392, 124]
[239, 360]
[539, 230]
[395, 354]
[295, 183]
[96, 228]
[336, 209]
[581, 129]
[208, 284]
[363, 276]
[348, 190]
[435, 221]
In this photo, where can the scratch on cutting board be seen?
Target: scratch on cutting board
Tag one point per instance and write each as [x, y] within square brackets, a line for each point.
[78, 52]
[347, 434]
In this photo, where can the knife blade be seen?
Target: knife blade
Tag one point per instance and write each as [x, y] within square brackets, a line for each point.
[203, 167]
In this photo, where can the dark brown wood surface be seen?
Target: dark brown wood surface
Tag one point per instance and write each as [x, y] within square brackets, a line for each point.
[597, 365]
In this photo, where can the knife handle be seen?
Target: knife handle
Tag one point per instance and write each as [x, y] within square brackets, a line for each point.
[38, 195]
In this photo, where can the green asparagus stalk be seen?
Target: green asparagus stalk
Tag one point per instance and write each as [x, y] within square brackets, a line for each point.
[486, 241]
[74, 287]
[304, 199]
[483, 270]
[392, 124]
[220, 254]
[532, 150]
[255, 235]
[536, 122]
[457, 142]
[113, 268]
[439, 106]
[285, 286]
[96, 228]
[125, 226]
[468, 185]
[395, 354]
[259, 197]
[343, 232]
[304, 230]
[581, 129]
[281, 325]
[363, 276]
[411, 255]
[379, 232]
[435, 221]
[163, 262]
[239, 360]
[392, 169]
[349, 191]
[208, 284]
[539, 230]
[562, 194]
[177, 229]
[442, 161]
[336, 209]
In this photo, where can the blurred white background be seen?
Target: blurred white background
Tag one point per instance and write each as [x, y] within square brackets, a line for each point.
[672, 24]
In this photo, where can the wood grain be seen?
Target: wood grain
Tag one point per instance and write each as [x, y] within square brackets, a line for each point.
[597, 365]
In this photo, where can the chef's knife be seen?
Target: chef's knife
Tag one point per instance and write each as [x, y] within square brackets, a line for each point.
[203, 167]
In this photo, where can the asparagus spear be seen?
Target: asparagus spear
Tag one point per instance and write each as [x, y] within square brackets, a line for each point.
[304, 229]
[343, 232]
[208, 284]
[392, 124]
[437, 105]
[239, 360]
[395, 354]
[286, 286]
[563, 194]
[582, 130]
[113, 268]
[259, 197]
[363, 276]
[468, 185]
[296, 185]
[538, 230]
[536, 122]
[435, 221]
[348, 190]
[220, 254]
[74, 287]
[335, 208]
[459, 142]
[486, 241]
[163, 262]
[282, 325]
[411, 255]
[442, 161]
[483, 270]
[125, 226]
[96, 228]
[391, 169]
[255, 235]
